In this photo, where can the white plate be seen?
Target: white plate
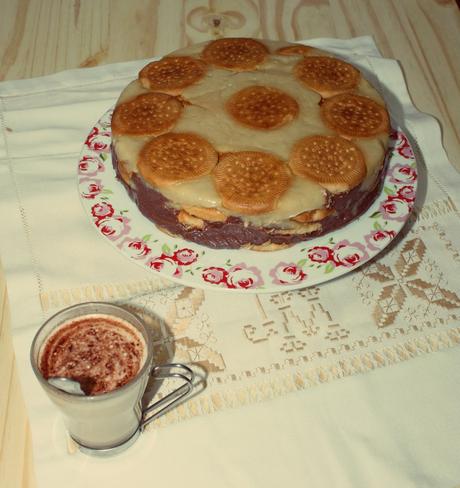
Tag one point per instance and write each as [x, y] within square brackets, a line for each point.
[116, 217]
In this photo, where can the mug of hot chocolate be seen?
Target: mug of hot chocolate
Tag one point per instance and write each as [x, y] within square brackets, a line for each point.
[94, 361]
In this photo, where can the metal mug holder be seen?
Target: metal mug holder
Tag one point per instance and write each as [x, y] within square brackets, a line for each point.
[153, 410]
[187, 375]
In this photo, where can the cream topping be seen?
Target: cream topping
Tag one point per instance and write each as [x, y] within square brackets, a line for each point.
[205, 114]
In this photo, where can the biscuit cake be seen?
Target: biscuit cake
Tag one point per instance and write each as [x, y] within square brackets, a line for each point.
[240, 142]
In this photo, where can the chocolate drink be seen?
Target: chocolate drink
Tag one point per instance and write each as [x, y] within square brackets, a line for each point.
[109, 351]
[100, 351]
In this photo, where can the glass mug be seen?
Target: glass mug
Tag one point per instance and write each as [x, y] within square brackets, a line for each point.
[109, 422]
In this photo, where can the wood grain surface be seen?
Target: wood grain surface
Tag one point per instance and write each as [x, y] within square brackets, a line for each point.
[39, 37]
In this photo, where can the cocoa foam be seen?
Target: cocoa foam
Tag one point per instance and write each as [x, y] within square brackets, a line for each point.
[100, 351]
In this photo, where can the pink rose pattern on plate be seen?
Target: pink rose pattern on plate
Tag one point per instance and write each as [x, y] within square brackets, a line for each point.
[239, 276]
[287, 274]
[401, 144]
[113, 227]
[101, 210]
[342, 254]
[379, 239]
[174, 264]
[189, 264]
[166, 265]
[135, 248]
[90, 188]
[349, 254]
[98, 140]
[215, 276]
[185, 256]
[90, 166]
[395, 209]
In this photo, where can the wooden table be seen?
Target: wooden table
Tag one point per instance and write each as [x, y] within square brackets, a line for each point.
[40, 37]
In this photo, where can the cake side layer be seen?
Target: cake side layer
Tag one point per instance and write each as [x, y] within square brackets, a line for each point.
[234, 233]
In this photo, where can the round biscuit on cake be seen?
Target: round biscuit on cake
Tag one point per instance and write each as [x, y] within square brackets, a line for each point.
[333, 162]
[312, 215]
[266, 247]
[294, 50]
[175, 157]
[353, 115]
[262, 107]
[125, 173]
[250, 182]
[327, 76]
[236, 54]
[150, 114]
[172, 74]
[205, 213]
[189, 220]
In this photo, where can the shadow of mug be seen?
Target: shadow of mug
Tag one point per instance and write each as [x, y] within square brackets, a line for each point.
[164, 354]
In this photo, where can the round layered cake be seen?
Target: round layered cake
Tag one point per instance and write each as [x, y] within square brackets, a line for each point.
[250, 143]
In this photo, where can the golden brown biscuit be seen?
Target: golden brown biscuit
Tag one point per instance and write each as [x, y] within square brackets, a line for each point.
[327, 76]
[294, 50]
[175, 157]
[335, 163]
[267, 247]
[262, 107]
[250, 182]
[301, 228]
[125, 173]
[172, 74]
[312, 215]
[354, 115]
[237, 54]
[190, 221]
[150, 114]
[209, 214]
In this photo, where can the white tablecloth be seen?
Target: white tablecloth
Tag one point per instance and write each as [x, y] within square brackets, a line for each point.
[380, 410]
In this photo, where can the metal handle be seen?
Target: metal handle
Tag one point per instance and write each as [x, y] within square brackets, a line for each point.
[172, 398]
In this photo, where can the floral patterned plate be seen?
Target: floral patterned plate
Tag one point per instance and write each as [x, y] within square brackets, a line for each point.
[117, 219]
